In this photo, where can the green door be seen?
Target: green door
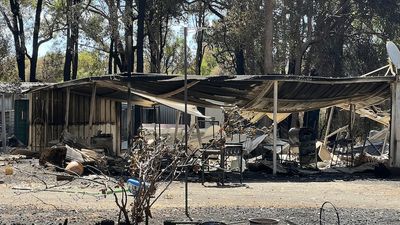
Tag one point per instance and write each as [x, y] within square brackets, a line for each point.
[21, 120]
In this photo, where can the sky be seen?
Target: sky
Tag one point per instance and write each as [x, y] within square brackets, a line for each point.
[59, 42]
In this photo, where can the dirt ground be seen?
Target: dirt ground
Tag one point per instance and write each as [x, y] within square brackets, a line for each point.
[359, 201]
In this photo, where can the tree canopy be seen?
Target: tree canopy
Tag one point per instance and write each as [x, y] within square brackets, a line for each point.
[92, 38]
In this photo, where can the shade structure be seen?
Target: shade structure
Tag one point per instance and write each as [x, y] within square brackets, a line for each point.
[249, 92]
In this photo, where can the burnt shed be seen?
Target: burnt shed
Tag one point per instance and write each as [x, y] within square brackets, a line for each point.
[85, 111]
[85, 106]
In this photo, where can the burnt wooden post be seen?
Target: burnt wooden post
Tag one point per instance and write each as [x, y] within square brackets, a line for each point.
[67, 109]
[46, 120]
[351, 128]
[328, 126]
[275, 126]
[394, 156]
[185, 117]
[129, 118]
[394, 152]
[129, 111]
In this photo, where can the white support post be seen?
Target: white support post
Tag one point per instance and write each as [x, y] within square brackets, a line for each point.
[394, 156]
[328, 126]
[275, 126]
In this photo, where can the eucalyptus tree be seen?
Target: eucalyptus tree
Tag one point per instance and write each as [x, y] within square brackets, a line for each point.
[17, 16]
[237, 37]
[13, 16]
[8, 65]
[160, 15]
[268, 35]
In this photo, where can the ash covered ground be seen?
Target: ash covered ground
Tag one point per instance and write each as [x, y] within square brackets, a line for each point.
[360, 199]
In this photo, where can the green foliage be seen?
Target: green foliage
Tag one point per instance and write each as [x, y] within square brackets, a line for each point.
[209, 65]
[241, 28]
[173, 56]
[52, 64]
[324, 38]
[93, 26]
[50, 67]
[90, 64]
[8, 69]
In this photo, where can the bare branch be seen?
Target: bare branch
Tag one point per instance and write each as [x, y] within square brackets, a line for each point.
[9, 25]
[95, 10]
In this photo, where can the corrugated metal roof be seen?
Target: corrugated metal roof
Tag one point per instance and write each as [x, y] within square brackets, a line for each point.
[252, 92]
[20, 87]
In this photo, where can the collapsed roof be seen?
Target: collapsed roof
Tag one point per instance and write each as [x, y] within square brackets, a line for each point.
[250, 92]
[19, 87]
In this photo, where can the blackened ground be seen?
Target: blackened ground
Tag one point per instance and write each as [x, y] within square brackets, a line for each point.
[293, 215]
[360, 199]
[32, 215]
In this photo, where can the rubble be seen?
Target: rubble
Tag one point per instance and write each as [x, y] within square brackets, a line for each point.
[26, 152]
[366, 167]
[10, 158]
[73, 141]
[154, 162]
[365, 157]
[73, 154]
[73, 149]
[55, 155]
[263, 165]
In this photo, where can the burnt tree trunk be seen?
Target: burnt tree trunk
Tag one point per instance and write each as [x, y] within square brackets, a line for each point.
[294, 32]
[140, 58]
[239, 62]
[75, 38]
[69, 47]
[140, 35]
[163, 32]
[269, 26]
[16, 26]
[339, 40]
[119, 52]
[154, 50]
[110, 57]
[129, 36]
[35, 42]
[154, 29]
[199, 38]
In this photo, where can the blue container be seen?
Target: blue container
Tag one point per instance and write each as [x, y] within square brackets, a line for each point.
[133, 185]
